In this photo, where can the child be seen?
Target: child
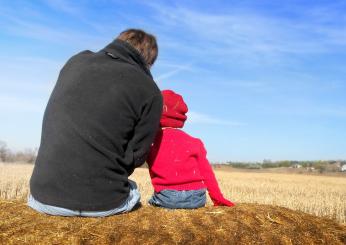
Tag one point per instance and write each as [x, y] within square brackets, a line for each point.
[178, 167]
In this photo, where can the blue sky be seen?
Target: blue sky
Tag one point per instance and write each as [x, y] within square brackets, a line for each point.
[262, 79]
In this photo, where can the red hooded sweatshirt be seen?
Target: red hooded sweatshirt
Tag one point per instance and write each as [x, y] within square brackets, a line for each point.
[178, 161]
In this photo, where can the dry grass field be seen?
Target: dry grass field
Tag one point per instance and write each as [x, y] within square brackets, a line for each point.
[252, 221]
[323, 196]
[318, 195]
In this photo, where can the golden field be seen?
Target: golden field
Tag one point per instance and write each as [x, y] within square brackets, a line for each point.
[319, 195]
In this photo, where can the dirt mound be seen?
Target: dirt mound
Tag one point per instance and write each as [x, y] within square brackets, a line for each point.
[243, 224]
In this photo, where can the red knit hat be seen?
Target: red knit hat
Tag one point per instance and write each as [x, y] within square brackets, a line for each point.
[174, 110]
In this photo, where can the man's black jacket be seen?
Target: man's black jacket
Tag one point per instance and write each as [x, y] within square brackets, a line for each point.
[98, 127]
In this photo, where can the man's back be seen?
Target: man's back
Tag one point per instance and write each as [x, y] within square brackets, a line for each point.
[101, 109]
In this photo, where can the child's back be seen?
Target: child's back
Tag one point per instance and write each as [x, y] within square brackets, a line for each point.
[178, 166]
[174, 159]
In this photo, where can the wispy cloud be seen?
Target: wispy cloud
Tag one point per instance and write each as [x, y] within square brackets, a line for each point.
[176, 69]
[254, 35]
[36, 25]
[64, 6]
[200, 118]
[79, 12]
[61, 35]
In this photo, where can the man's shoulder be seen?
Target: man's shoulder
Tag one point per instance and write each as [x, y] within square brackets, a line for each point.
[137, 73]
[85, 52]
[78, 57]
[82, 54]
[142, 80]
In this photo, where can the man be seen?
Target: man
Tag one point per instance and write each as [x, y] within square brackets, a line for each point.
[98, 127]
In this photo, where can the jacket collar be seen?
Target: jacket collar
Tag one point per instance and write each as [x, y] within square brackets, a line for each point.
[123, 50]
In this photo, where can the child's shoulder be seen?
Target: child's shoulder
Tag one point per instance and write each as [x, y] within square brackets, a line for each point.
[180, 133]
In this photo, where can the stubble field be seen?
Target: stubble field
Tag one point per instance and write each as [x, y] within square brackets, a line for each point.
[323, 196]
[260, 216]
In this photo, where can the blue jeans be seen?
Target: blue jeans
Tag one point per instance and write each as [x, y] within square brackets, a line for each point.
[131, 202]
[173, 199]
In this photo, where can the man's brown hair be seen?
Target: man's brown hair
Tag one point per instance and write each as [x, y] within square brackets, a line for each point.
[143, 42]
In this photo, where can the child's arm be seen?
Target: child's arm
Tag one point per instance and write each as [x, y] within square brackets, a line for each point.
[210, 180]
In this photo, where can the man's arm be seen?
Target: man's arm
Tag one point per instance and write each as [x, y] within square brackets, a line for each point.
[146, 129]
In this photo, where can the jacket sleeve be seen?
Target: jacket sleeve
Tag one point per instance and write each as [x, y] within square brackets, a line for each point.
[146, 129]
[210, 180]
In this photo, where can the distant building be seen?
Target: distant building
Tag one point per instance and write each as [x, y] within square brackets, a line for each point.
[343, 168]
[297, 165]
[338, 164]
[334, 167]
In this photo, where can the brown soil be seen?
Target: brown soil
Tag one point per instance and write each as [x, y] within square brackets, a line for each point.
[243, 224]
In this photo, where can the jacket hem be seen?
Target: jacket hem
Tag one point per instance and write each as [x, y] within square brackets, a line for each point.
[105, 206]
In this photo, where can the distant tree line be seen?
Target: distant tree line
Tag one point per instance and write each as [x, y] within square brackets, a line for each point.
[319, 165]
[7, 155]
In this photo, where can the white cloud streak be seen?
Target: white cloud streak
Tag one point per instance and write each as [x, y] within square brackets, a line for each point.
[35, 25]
[64, 6]
[254, 35]
[200, 118]
[177, 69]
[54, 35]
